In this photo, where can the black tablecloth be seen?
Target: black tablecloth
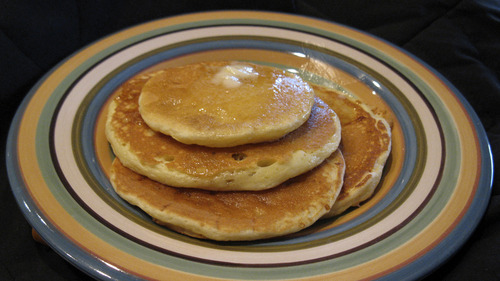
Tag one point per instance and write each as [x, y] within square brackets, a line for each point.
[460, 39]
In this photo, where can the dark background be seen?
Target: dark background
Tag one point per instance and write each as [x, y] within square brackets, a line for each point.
[460, 39]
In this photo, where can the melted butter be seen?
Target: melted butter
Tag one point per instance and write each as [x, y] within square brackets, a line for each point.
[232, 76]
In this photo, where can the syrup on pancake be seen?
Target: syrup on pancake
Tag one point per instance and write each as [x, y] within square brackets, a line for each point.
[224, 104]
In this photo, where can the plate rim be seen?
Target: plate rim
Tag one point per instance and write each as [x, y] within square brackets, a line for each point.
[482, 137]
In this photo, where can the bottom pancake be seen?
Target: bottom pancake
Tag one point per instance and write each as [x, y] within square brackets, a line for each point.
[365, 145]
[235, 215]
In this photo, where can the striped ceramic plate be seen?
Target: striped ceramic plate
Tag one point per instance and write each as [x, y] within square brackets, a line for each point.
[434, 190]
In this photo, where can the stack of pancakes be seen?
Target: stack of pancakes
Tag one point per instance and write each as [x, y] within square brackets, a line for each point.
[239, 151]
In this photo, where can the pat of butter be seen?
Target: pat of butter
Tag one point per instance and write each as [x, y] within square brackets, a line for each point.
[231, 76]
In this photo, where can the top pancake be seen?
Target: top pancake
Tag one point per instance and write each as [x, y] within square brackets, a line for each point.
[246, 167]
[223, 104]
[366, 145]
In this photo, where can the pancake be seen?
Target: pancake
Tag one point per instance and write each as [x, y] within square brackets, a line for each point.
[223, 104]
[366, 145]
[246, 167]
[235, 215]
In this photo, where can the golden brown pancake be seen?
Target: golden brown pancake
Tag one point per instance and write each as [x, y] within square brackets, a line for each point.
[223, 104]
[235, 215]
[366, 145]
[246, 167]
